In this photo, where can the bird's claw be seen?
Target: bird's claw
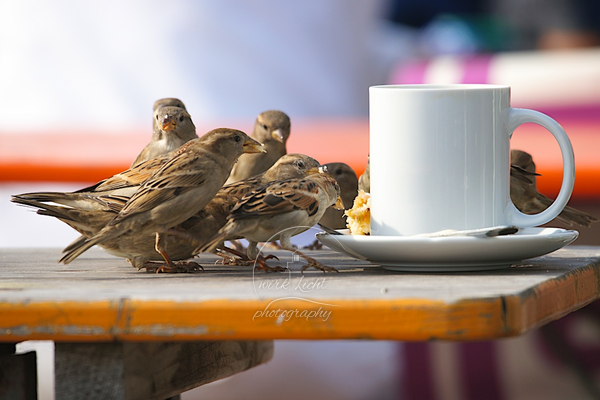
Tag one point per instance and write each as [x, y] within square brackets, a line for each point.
[243, 260]
[268, 268]
[228, 260]
[180, 267]
[318, 266]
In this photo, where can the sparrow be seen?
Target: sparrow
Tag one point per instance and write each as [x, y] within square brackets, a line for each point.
[278, 211]
[173, 127]
[364, 182]
[204, 225]
[528, 200]
[271, 128]
[139, 249]
[287, 167]
[182, 187]
[346, 178]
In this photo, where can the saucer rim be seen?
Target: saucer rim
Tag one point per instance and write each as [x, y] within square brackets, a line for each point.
[560, 237]
[523, 232]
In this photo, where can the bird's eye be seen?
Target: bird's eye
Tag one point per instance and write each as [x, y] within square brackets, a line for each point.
[301, 164]
[181, 118]
[237, 138]
[338, 171]
[157, 117]
[265, 127]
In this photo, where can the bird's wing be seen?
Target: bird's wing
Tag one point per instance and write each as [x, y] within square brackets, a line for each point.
[179, 175]
[279, 197]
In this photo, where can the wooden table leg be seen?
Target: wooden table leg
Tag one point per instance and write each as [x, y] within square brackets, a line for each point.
[149, 370]
[18, 373]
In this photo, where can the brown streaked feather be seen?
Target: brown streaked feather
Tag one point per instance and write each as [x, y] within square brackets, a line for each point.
[177, 179]
[132, 177]
[312, 208]
[287, 167]
[278, 198]
[108, 202]
[158, 191]
[240, 188]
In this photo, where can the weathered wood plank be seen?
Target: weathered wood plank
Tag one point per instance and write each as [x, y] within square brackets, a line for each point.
[160, 370]
[102, 298]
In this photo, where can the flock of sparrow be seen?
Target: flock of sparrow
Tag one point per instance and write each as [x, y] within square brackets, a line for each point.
[184, 195]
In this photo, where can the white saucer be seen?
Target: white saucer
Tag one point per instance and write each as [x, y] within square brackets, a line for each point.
[454, 253]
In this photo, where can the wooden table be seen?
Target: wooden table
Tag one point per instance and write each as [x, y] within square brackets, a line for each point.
[159, 335]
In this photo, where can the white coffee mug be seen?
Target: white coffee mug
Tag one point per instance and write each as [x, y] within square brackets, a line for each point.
[440, 159]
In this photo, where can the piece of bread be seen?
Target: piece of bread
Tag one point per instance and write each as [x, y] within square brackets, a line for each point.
[359, 216]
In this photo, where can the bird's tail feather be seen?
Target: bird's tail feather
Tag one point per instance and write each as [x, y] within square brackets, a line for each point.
[218, 238]
[78, 247]
[82, 244]
[59, 212]
[68, 215]
[56, 197]
[212, 243]
[571, 216]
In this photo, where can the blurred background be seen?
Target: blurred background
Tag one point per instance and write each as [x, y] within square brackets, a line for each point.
[78, 80]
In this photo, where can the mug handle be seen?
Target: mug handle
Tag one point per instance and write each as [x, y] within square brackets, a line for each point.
[518, 116]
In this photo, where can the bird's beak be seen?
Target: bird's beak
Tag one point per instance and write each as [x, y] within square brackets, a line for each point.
[168, 123]
[277, 134]
[314, 170]
[339, 204]
[252, 146]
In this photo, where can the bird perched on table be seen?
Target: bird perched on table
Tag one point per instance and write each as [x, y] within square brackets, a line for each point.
[346, 178]
[139, 249]
[528, 200]
[287, 167]
[272, 129]
[173, 127]
[278, 211]
[364, 182]
[182, 187]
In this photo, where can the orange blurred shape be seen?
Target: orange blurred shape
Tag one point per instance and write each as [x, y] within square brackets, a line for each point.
[89, 156]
